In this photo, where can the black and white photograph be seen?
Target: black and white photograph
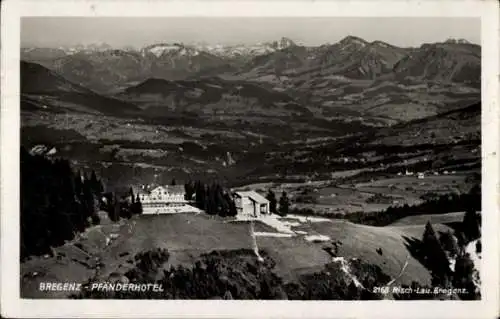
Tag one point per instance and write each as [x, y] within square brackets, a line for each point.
[251, 158]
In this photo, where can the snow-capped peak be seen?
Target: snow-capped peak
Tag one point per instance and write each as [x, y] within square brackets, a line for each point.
[177, 48]
[457, 41]
[159, 49]
[245, 49]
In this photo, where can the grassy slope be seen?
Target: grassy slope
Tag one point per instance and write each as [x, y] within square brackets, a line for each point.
[186, 236]
[44, 89]
[435, 219]
[361, 241]
[294, 255]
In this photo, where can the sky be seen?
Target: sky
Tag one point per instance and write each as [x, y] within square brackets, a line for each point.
[141, 31]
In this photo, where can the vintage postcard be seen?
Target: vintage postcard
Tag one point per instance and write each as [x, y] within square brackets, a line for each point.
[254, 159]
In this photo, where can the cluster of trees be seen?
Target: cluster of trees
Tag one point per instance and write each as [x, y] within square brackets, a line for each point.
[284, 203]
[434, 204]
[213, 199]
[237, 274]
[56, 203]
[435, 252]
[121, 205]
[307, 195]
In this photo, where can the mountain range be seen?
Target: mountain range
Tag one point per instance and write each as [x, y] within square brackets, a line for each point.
[103, 69]
[293, 108]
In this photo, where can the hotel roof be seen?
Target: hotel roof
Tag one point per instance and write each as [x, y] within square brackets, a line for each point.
[254, 196]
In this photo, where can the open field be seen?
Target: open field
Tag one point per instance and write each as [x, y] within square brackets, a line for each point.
[407, 186]
[378, 193]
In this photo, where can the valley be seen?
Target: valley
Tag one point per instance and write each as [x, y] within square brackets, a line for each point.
[346, 130]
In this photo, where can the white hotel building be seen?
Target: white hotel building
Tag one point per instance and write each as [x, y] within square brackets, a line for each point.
[165, 200]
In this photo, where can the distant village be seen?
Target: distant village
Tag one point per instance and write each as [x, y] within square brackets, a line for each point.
[421, 175]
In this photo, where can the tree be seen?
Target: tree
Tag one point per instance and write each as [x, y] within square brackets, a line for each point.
[78, 184]
[115, 216]
[94, 183]
[189, 190]
[131, 194]
[471, 224]
[474, 198]
[429, 238]
[87, 198]
[211, 203]
[201, 196]
[136, 207]
[434, 256]
[449, 243]
[463, 277]
[271, 197]
[224, 204]
[284, 204]
[232, 206]
[438, 163]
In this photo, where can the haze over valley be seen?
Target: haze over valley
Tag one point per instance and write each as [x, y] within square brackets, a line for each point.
[197, 104]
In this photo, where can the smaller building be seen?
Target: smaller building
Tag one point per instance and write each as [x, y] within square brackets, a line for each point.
[251, 204]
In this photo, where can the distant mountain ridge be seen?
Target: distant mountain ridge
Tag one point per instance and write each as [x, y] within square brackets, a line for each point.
[102, 68]
[351, 57]
[43, 89]
[36, 79]
[450, 61]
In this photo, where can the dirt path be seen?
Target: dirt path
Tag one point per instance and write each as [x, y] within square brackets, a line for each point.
[401, 272]
[254, 242]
